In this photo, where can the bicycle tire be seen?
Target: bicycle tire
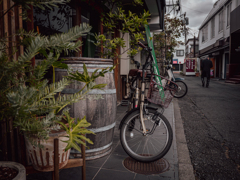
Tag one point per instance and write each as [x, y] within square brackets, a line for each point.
[148, 149]
[182, 89]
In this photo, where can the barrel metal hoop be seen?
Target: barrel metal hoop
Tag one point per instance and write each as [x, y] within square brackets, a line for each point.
[93, 91]
[105, 128]
[81, 70]
[98, 149]
[73, 151]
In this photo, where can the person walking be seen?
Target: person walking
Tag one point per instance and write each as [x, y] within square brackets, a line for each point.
[206, 65]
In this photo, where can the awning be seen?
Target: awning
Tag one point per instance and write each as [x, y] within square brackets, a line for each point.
[210, 52]
[157, 9]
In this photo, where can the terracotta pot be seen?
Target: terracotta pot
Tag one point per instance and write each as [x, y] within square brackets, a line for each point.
[14, 165]
[43, 158]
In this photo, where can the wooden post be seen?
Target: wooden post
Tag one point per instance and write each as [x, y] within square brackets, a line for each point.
[117, 71]
[30, 27]
[77, 21]
[5, 21]
[84, 162]
[56, 160]
[4, 140]
[20, 25]
[12, 142]
[101, 31]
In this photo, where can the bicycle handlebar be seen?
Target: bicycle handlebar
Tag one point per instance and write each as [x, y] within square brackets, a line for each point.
[142, 45]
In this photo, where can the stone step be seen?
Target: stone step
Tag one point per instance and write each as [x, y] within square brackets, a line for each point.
[234, 79]
[232, 82]
[236, 76]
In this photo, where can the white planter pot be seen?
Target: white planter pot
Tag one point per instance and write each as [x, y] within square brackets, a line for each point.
[14, 165]
[43, 158]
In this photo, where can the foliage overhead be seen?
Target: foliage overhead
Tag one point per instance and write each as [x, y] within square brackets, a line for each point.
[174, 29]
[124, 22]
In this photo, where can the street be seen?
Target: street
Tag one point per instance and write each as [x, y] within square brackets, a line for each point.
[212, 128]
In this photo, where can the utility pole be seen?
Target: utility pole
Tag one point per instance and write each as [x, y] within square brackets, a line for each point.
[194, 46]
[185, 33]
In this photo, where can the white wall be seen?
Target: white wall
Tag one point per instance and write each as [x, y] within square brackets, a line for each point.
[124, 61]
[180, 58]
[218, 35]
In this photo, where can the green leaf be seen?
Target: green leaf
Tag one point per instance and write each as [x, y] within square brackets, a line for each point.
[99, 86]
[60, 65]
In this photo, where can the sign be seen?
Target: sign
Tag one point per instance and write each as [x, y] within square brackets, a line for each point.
[190, 65]
[175, 61]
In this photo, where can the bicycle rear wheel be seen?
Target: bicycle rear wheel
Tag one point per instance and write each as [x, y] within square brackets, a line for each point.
[150, 147]
[182, 90]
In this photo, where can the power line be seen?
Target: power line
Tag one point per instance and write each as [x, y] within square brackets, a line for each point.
[194, 9]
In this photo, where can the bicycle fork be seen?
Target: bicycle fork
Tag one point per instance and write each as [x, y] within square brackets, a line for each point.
[141, 108]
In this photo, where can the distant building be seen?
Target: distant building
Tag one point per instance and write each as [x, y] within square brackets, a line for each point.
[189, 48]
[219, 38]
[178, 58]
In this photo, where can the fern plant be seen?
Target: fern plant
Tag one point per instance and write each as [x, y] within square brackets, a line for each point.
[76, 131]
[30, 102]
[26, 96]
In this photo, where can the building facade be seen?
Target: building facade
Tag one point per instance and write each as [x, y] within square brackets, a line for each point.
[189, 48]
[178, 58]
[214, 36]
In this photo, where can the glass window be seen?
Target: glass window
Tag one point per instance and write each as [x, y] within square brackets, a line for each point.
[55, 20]
[229, 9]
[237, 2]
[221, 21]
[65, 16]
[213, 27]
[180, 52]
[205, 33]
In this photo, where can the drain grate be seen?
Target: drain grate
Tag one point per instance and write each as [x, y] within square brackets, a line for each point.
[155, 167]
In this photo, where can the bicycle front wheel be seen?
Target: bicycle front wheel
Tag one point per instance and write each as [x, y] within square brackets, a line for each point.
[182, 90]
[152, 146]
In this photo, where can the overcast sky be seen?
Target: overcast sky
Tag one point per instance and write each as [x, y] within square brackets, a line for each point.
[196, 11]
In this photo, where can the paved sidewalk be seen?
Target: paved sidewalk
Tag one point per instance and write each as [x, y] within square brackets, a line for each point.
[111, 166]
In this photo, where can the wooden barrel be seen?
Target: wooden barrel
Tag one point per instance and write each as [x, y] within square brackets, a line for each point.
[99, 112]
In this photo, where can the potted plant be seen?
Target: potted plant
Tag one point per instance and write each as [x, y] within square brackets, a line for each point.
[35, 104]
[12, 170]
[197, 73]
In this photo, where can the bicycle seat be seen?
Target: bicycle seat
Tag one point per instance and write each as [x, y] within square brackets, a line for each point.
[135, 72]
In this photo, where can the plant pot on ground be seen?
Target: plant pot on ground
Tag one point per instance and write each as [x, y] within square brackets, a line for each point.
[12, 171]
[41, 152]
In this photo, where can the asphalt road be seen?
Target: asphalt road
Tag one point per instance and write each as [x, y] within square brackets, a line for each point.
[211, 120]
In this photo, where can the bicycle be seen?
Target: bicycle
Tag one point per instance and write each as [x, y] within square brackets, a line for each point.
[182, 87]
[145, 134]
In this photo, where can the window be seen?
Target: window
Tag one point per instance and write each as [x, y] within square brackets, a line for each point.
[213, 27]
[196, 48]
[221, 21]
[229, 9]
[205, 33]
[180, 53]
[237, 2]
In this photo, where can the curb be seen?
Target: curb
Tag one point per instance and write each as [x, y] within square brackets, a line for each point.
[185, 168]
